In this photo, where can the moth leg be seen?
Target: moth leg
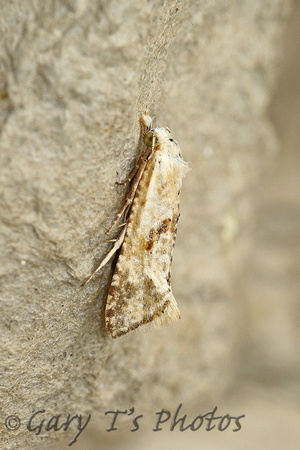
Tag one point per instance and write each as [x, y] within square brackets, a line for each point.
[144, 156]
[122, 225]
[139, 169]
[146, 125]
[132, 173]
[127, 203]
[109, 255]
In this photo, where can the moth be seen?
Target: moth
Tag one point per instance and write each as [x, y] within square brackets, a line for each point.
[140, 292]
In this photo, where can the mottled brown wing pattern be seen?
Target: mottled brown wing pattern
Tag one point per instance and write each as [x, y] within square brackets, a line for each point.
[140, 290]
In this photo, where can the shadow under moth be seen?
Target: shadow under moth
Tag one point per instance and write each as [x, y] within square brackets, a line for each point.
[140, 292]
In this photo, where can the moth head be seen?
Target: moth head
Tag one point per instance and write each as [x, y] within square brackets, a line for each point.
[162, 134]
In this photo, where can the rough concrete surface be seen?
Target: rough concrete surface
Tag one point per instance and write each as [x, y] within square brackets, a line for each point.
[74, 79]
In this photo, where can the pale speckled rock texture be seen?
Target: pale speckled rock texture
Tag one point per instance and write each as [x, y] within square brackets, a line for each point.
[75, 76]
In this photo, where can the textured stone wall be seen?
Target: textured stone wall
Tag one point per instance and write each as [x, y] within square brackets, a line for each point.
[74, 79]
